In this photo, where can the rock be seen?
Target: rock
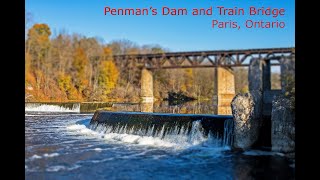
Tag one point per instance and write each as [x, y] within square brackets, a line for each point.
[247, 112]
[283, 125]
[176, 98]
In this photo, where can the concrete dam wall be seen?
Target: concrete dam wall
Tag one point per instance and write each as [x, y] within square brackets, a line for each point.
[163, 125]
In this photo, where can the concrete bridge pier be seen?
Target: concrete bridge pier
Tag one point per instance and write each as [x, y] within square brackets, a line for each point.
[260, 80]
[146, 94]
[224, 90]
[146, 107]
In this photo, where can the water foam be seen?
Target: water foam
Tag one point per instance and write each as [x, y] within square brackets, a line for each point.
[51, 155]
[82, 129]
[37, 107]
[97, 149]
[46, 155]
[177, 138]
[35, 157]
[59, 168]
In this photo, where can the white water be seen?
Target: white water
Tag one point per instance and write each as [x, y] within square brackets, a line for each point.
[176, 138]
[36, 107]
[64, 147]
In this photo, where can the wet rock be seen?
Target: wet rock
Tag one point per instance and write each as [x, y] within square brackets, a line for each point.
[246, 111]
[283, 125]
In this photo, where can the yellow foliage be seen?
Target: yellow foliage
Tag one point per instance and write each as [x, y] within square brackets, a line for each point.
[64, 82]
[65, 85]
[188, 78]
[38, 43]
[27, 62]
[80, 62]
[107, 51]
[108, 76]
[183, 88]
[39, 34]
[40, 29]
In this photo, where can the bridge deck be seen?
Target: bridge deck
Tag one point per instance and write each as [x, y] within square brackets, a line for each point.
[195, 59]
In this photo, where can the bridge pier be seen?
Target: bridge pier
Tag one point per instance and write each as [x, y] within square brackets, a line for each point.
[224, 90]
[260, 80]
[146, 94]
[146, 106]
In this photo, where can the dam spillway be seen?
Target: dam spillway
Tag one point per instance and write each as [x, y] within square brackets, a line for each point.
[189, 128]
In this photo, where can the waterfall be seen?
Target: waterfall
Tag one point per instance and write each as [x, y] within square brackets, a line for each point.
[228, 132]
[51, 107]
[189, 134]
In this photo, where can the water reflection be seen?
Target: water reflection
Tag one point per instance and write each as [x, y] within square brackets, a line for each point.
[261, 167]
[146, 107]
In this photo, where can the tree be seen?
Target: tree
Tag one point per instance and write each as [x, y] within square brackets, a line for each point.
[80, 61]
[61, 54]
[188, 75]
[66, 86]
[108, 73]
[38, 44]
[27, 22]
[241, 80]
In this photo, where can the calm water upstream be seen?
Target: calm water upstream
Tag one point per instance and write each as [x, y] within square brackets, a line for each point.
[62, 146]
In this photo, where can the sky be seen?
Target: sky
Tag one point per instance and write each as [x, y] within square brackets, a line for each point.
[175, 33]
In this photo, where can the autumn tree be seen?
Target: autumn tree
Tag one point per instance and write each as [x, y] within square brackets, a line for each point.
[61, 54]
[188, 78]
[79, 64]
[66, 86]
[38, 44]
[108, 73]
[241, 79]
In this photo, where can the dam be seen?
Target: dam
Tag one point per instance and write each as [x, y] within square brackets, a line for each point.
[146, 139]
[163, 125]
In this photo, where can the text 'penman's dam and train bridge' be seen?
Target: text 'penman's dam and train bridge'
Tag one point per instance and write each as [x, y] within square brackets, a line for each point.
[258, 61]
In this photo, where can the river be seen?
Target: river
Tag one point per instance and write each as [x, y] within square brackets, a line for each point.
[62, 145]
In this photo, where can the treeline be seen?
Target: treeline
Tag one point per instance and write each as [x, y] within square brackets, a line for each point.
[59, 69]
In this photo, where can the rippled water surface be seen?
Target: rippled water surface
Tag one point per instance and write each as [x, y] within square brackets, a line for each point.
[62, 146]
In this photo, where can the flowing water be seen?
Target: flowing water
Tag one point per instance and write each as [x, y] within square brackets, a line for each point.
[65, 146]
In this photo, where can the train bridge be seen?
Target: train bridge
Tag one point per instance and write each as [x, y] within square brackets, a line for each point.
[259, 62]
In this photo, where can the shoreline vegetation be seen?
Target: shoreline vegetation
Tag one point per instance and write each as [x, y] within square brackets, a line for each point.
[58, 68]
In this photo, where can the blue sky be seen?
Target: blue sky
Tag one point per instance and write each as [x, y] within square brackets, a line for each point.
[177, 33]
